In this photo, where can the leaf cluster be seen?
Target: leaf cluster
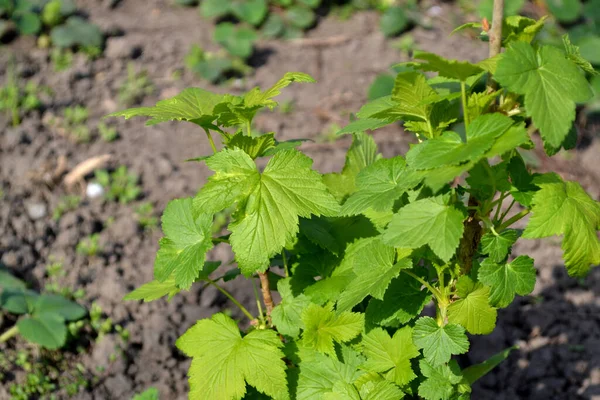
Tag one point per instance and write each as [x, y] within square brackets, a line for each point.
[43, 318]
[356, 255]
[54, 20]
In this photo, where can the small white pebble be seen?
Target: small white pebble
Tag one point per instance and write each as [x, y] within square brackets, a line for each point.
[36, 210]
[435, 11]
[94, 190]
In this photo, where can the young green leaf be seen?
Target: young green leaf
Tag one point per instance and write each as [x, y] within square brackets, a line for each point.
[449, 149]
[342, 391]
[223, 361]
[183, 249]
[381, 390]
[390, 355]
[47, 330]
[403, 301]
[322, 327]
[454, 69]
[319, 376]
[380, 185]
[154, 290]
[256, 97]
[506, 280]
[269, 204]
[287, 315]
[193, 105]
[473, 310]
[550, 83]
[474, 372]
[55, 304]
[373, 274]
[498, 246]
[565, 208]
[361, 154]
[439, 343]
[440, 381]
[427, 222]
[253, 146]
[574, 54]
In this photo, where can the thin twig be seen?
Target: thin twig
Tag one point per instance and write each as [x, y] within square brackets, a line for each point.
[321, 42]
[495, 35]
[266, 292]
[84, 168]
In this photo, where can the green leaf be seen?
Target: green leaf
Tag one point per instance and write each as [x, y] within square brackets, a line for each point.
[440, 381]
[427, 222]
[506, 280]
[379, 185]
[410, 91]
[47, 330]
[76, 32]
[273, 27]
[373, 271]
[287, 315]
[393, 21]
[55, 304]
[454, 69]
[250, 11]
[322, 327]
[574, 54]
[18, 301]
[522, 188]
[361, 154]
[589, 51]
[390, 355]
[269, 204]
[498, 246]
[8, 281]
[214, 8]
[449, 149]
[474, 372]
[381, 86]
[223, 361]
[300, 17]
[550, 83]
[382, 390]
[256, 97]
[28, 23]
[439, 343]
[565, 208]
[519, 28]
[253, 146]
[319, 376]
[473, 310]
[485, 180]
[342, 391]
[154, 290]
[192, 104]
[403, 301]
[239, 41]
[188, 237]
[565, 11]
[361, 125]
[148, 394]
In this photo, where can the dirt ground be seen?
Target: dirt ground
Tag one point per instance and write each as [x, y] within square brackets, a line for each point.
[557, 327]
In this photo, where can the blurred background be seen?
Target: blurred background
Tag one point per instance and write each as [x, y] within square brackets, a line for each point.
[81, 196]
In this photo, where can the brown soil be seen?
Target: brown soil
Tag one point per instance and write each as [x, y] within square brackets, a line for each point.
[557, 328]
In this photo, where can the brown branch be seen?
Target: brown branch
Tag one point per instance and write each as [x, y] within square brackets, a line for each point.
[495, 35]
[266, 292]
[469, 243]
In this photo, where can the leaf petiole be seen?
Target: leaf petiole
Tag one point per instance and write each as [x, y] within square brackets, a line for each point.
[463, 91]
[9, 333]
[211, 141]
[434, 291]
[233, 299]
[513, 219]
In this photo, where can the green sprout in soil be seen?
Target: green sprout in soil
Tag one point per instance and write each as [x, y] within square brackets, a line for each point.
[74, 124]
[120, 185]
[65, 204]
[107, 133]
[62, 59]
[135, 88]
[16, 100]
[89, 246]
[145, 216]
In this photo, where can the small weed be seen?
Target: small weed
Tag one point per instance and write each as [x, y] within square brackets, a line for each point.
[135, 88]
[15, 100]
[65, 204]
[89, 246]
[120, 185]
[61, 59]
[74, 124]
[145, 216]
[107, 133]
